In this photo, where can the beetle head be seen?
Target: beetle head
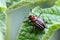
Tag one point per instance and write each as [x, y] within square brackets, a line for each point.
[32, 18]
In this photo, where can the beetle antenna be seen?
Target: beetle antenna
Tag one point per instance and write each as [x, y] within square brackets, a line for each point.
[30, 13]
[30, 10]
[39, 15]
[26, 17]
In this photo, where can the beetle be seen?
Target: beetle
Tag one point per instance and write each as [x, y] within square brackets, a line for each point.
[38, 23]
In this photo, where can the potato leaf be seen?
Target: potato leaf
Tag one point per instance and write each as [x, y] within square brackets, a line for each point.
[22, 3]
[2, 25]
[51, 17]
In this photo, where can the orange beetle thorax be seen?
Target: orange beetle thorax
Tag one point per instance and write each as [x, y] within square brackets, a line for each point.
[32, 18]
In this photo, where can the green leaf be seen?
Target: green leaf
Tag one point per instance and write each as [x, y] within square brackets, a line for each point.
[2, 30]
[51, 17]
[3, 17]
[22, 3]
[11, 2]
[3, 4]
[51, 31]
[57, 3]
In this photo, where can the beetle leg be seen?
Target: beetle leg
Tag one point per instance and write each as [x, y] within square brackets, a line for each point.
[35, 29]
[32, 30]
[26, 21]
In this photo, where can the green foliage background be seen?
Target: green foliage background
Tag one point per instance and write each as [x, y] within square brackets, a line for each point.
[53, 11]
